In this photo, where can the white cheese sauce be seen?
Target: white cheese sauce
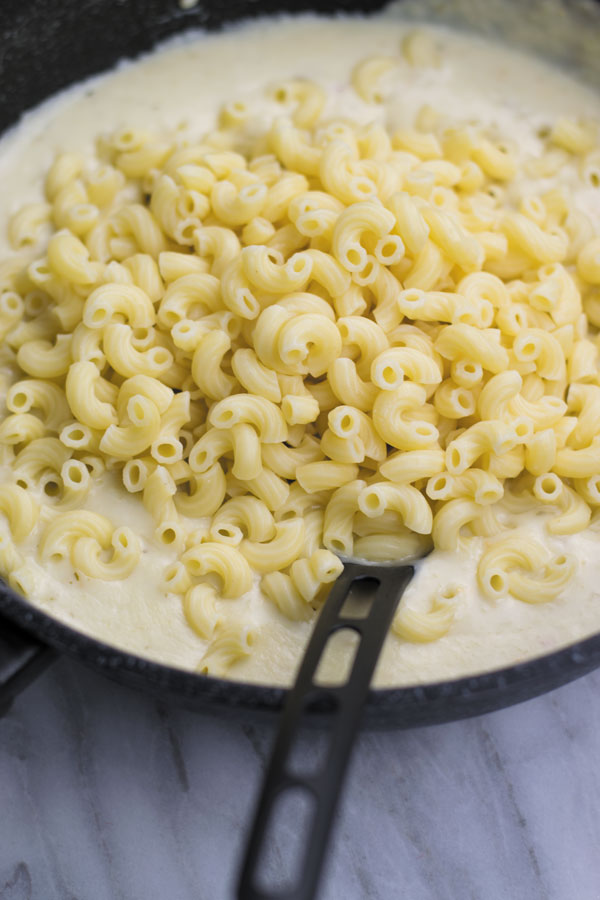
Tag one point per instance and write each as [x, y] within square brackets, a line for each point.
[183, 84]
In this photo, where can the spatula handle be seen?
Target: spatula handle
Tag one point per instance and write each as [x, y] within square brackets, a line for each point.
[345, 703]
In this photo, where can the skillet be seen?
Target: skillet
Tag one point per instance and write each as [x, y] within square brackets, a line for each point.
[45, 47]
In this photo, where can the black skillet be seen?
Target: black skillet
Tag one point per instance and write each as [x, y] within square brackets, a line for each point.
[46, 46]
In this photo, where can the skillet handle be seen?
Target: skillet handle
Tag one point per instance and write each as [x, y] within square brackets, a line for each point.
[22, 658]
[382, 587]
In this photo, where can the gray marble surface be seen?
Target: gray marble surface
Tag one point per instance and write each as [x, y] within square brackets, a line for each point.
[105, 795]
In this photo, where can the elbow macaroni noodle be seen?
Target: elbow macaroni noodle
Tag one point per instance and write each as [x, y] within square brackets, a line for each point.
[318, 339]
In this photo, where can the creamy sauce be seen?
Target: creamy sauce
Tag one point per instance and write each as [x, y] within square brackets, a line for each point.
[182, 86]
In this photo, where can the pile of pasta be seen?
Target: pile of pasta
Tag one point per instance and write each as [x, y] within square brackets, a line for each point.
[323, 339]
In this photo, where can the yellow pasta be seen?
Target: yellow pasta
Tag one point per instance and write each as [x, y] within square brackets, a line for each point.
[222, 560]
[525, 568]
[422, 627]
[298, 338]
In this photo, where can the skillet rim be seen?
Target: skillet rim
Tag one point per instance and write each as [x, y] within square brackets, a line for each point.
[401, 707]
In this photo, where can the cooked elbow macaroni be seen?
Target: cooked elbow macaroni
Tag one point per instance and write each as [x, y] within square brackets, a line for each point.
[300, 338]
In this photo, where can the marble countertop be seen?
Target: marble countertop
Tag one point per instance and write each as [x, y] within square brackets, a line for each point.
[106, 795]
